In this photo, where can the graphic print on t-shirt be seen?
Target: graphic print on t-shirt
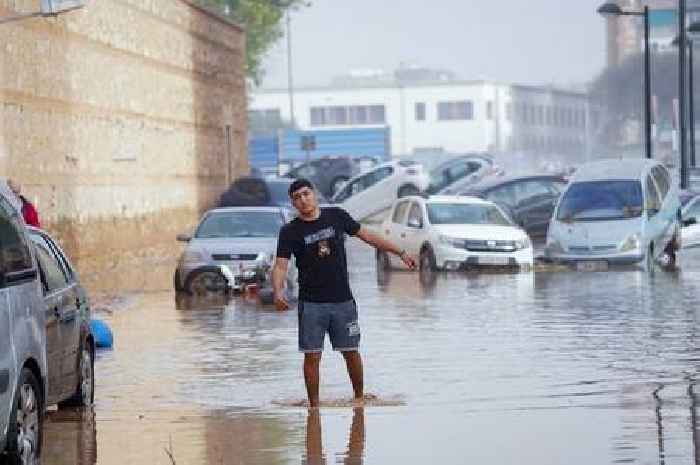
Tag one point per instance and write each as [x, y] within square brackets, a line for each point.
[324, 249]
[321, 235]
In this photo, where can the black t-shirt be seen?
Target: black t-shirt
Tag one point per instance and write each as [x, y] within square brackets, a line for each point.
[319, 249]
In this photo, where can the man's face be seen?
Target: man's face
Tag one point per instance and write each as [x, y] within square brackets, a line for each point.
[14, 187]
[304, 200]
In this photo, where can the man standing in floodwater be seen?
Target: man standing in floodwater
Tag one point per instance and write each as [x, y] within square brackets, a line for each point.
[326, 305]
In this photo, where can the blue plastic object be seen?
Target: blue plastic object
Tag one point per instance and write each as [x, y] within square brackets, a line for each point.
[102, 334]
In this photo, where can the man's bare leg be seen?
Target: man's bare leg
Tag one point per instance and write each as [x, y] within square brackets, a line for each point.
[311, 377]
[353, 361]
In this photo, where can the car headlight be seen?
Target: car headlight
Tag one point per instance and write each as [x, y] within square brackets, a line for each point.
[192, 256]
[632, 243]
[452, 241]
[523, 244]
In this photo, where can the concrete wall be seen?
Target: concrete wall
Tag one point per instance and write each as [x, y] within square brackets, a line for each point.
[115, 117]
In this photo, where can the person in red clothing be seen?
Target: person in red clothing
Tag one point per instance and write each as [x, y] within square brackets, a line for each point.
[31, 216]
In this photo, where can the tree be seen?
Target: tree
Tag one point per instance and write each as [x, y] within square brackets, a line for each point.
[263, 22]
[618, 93]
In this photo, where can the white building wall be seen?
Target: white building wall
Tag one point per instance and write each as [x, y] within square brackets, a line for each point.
[501, 130]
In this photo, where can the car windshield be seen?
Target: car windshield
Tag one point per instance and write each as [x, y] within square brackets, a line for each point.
[601, 200]
[462, 213]
[240, 224]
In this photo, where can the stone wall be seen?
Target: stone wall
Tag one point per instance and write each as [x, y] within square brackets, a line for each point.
[123, 121]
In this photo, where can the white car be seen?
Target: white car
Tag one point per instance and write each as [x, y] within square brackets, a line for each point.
[452, 233]
[374, 191]
[690, 231]
[616, 212]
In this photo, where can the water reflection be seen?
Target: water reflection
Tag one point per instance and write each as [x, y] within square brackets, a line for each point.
[355, 451]
[70, 437]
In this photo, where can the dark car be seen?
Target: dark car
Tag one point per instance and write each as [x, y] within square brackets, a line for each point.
[327, 174]
[530, 200]
[258, 192]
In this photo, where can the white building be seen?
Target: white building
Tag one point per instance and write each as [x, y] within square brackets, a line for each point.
[449, 116]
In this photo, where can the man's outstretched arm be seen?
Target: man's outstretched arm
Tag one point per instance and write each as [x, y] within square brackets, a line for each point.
[387, 246]
[279, 276]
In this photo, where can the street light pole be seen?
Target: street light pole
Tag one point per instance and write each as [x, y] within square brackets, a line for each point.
[613, 9]
[691, 90]
[647, 83]
[290, 79]
[682, 37]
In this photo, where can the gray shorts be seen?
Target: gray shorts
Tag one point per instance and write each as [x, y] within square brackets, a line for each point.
[339, 320]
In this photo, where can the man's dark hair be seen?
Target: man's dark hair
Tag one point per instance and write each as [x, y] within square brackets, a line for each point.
[300, 184]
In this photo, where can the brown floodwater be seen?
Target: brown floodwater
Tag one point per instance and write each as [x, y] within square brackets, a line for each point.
[546, 368]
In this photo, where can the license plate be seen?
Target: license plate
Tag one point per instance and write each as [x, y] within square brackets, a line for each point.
[597, 265]
[499, 261]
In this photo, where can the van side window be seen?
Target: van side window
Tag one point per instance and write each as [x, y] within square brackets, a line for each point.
[662, 180]
[15, 255]
[400, 213]
[653, 201]
[415, 215]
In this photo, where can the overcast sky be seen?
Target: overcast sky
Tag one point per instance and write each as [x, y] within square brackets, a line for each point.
[520, 41]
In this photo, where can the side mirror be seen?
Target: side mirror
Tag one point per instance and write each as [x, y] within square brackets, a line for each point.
[652, 211]
[184, 238]
[690, 221]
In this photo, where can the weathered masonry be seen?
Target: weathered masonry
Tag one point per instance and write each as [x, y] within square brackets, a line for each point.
[123, 120]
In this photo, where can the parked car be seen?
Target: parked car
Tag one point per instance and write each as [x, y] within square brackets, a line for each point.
[70, 344]
[616, 212]
[252, 191]
[528, 200]
[23, 364]
[450, 232]
[231, 248]
[465, 169]
[374, 191]
[327, 174]
[690, 213]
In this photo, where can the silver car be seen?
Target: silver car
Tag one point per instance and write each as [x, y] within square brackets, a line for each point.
[231, 248]
[23, 364]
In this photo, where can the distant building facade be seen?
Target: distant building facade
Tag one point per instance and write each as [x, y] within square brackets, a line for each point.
[444, 115]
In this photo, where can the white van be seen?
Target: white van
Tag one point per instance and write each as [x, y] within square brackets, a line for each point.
[616, 212]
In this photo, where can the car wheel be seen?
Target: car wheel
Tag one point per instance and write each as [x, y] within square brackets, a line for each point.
[203, 281]
[85, 393]
[427, 260]
[337, 183]
[383, 262]
[25, 429]
[405, 191]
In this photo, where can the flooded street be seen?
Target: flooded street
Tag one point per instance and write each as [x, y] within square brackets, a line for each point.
[543, 368]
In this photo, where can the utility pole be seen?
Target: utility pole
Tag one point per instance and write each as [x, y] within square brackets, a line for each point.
[290, 78]
[682, 112]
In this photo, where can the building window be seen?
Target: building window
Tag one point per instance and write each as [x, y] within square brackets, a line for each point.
[489, 110]
[455, 111]
[420, 111]
[356, 115]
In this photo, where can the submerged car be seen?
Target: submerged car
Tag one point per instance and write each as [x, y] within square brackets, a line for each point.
[616, 212]
[452, 233]
[258, 192]
[46, 346]
[463, 170]
[328, 174]
[528, 200]
[374, 191]
[690, 232]
[231, 248]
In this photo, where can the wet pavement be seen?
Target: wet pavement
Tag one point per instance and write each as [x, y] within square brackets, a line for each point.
[547, 368]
